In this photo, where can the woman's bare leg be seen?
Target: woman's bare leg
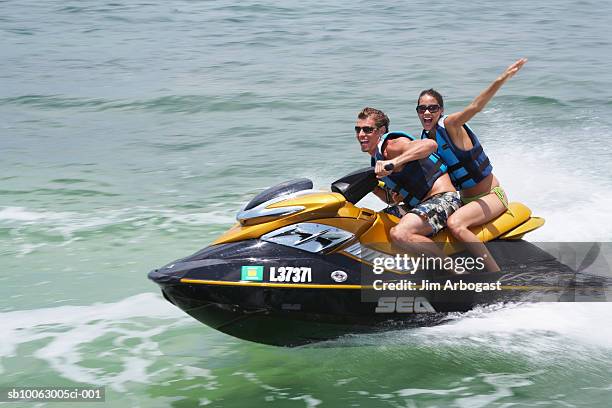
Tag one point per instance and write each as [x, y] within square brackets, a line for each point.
[477, 212]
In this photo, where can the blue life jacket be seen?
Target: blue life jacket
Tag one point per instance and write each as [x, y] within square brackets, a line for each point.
[417, 177]
[465, 167]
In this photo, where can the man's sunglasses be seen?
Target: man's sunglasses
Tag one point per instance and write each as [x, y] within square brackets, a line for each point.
[431, 108]
[366, 129]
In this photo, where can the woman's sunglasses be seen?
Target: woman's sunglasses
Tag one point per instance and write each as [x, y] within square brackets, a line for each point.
[431, 108]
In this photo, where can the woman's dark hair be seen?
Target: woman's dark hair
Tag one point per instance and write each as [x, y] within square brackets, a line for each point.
[432, 92]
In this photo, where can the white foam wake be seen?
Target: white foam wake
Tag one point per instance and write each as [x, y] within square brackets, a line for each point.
[566, 324]
[574, 202]
[67, 223]
[69, 329]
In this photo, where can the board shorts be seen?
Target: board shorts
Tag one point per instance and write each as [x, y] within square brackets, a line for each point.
[437, 208]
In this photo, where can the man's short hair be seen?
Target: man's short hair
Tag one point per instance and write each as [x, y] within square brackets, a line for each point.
[380, 118]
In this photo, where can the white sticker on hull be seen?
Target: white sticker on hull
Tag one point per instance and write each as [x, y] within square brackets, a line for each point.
[339, 276]
[290, 274]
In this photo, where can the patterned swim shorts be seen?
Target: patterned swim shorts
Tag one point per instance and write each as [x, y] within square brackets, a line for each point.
[436, 209]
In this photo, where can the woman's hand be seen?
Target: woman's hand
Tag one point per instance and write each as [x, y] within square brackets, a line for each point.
[455, 121]
[513, 69]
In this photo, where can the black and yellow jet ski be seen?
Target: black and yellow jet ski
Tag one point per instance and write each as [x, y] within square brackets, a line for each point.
[303, 266]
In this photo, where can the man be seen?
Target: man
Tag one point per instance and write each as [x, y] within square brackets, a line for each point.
[418, 178]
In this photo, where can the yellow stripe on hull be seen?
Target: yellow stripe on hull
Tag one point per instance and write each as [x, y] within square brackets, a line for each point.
[322, 286]
[271, 285]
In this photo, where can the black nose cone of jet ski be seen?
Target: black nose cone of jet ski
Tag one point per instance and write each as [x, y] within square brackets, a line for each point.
[164, 277]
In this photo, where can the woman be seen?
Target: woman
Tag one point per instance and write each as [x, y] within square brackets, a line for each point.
[469, 167]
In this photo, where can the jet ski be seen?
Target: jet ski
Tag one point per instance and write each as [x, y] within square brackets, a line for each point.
[304, 266]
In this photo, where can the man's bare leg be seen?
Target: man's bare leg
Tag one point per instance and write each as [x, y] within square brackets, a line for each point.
[411, 233]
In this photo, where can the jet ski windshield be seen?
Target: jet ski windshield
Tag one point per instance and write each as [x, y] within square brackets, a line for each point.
[288, 187]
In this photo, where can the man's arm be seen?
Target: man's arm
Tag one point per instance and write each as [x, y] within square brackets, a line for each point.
[458, 119]
[401, 151]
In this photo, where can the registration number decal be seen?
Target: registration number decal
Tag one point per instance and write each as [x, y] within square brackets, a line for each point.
[290, 274]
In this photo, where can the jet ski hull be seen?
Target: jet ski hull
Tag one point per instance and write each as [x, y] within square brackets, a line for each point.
[299, 266]
[211, 287]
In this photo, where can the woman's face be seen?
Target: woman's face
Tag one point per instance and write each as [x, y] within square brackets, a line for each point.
[427, 104]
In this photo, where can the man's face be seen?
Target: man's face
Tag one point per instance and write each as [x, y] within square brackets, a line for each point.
[368, 134]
